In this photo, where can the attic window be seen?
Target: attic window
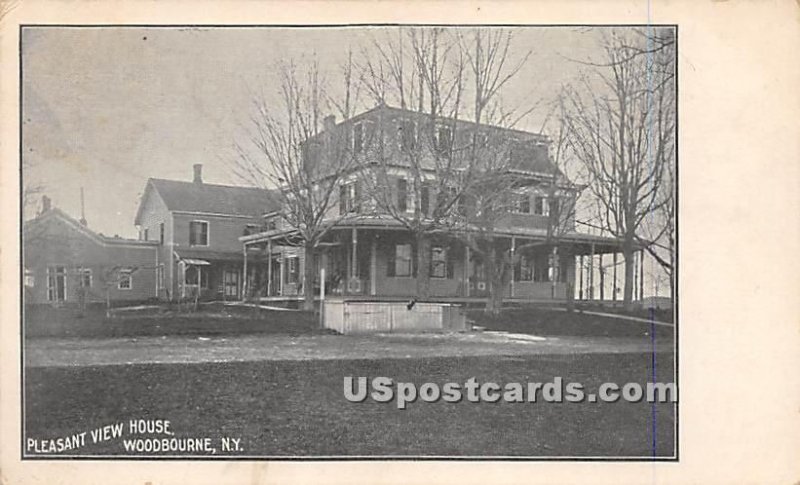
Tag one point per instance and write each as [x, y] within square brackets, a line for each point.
[362, 135]
[406, 135]
[540, 206]
[444, 139]
[480, 139]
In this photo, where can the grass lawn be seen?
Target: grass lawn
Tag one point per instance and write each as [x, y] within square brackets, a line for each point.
[297, 407]
[214, 319]
[547, 322]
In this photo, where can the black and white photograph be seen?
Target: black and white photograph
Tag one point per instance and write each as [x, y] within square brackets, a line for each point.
[349, 242]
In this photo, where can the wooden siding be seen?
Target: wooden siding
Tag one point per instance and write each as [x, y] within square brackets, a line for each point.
[57, 243]
[348, 317]
[223, 232]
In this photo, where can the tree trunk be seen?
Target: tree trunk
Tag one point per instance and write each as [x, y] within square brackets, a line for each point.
[423, 266]
[627, 254]
[309, 272]
[494, 270]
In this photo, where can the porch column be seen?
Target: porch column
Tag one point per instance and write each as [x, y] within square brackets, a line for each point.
[466, 270]
[635, 256]
[591, 274]
[580, 292]
[269, 267]
[614, 289]
[513, 263]
[244, 273]
[354, 255]
[282, 273]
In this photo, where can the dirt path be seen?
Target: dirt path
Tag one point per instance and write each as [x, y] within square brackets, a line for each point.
[245, 348]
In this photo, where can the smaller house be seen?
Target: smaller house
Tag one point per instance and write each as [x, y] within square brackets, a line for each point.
[66, 262]
[196, 227]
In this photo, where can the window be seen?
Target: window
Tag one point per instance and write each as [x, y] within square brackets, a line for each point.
[293, 273]
[161, 233]
[349, 197]
[85, 277]
[425, 200]
[480, 140]
[522, 203]
[30, 279]
[198, 233]
[193, 273]
[56, 283]
[362, 134]
[540, 206]
[400, 260]
[402, 195]
[146, 234]
[125, 281]
[444, 139]
[406, 135]
[441, 263]
[541, 267]
[523, 271]
[160, 277]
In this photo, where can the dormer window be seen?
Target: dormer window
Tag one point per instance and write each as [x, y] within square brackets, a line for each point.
[362, 134]
[540, 206]
[349, 197]
[522, 203]
[406, 135]
[444, 139]
[480, 139]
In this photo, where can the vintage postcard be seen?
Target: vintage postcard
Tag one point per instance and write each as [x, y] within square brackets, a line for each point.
[389, 244]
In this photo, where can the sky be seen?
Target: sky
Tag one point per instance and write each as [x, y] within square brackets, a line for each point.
[107, 108]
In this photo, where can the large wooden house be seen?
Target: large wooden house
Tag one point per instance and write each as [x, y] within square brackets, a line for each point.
[370, 252]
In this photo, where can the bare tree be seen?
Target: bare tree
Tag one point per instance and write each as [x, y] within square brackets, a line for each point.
[622, 128]
[423, 70]
[300, 164]
[500, 187]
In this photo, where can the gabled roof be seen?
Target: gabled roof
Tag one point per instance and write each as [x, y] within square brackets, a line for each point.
[56, 213]
[209, 198]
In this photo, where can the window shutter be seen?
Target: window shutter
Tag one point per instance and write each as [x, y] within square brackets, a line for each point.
[425, 202]
[342, 200]
[450, 263]
[357, 196]
[402, 195]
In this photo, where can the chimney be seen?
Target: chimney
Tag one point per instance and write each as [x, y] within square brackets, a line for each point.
[45, 204]
[83, 211]
[329, 122]
[198, 173]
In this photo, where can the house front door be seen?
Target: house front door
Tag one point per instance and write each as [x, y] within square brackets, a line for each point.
[230, 284]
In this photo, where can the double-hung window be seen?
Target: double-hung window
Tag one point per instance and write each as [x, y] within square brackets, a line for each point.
[402, 195]
[198, 233]
[400, 260]
[444, 139]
